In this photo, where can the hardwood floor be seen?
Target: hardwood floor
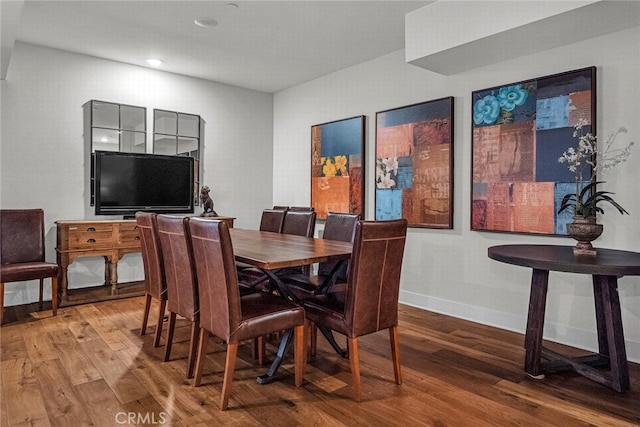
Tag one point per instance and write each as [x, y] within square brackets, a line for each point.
[90, 366]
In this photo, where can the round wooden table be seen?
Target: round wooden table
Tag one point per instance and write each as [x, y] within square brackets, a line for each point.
[605, 268]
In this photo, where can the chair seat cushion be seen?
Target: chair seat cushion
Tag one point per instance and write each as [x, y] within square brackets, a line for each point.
[328, 310]
[307, 285]
[27, 271]
[264, 313]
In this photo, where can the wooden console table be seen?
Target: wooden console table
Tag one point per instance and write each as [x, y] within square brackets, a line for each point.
[605, 268]
[110, 239]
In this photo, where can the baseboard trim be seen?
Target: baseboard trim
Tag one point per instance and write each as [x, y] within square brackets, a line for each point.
[563, 334]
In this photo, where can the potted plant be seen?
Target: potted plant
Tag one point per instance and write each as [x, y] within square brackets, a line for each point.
[589, 159]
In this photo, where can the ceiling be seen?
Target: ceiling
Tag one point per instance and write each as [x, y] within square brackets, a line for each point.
[261, 45]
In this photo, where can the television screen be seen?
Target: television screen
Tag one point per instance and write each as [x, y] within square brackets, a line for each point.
[125, 183]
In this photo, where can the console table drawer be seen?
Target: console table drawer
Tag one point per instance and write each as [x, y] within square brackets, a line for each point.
[128, 236]
[90, 239]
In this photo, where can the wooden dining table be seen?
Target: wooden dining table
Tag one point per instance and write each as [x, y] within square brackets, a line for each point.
[270, 252]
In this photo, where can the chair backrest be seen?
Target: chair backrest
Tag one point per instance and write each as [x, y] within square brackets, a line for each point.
[177, 254]
[21, 235]
[281, 208]
[342, 227]
[154, 279]
[301, 208]
[272, 220]
[217, 275]
[371, 302]
[301, 223]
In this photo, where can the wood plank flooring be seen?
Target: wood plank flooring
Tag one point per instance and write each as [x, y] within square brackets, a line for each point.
[89, 366]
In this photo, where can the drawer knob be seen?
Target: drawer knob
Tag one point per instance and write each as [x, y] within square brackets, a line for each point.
[136, 238]
[91, 229]
[91, 241]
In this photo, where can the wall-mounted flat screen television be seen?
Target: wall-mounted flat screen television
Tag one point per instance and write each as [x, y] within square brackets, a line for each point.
[125, 183]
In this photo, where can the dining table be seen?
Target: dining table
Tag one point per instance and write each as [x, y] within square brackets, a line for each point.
[271, 252]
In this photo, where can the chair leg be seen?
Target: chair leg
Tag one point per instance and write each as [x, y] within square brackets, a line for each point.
[193, 346]
[258, 349]
[172, 326]
[354, 360]
[313, 334]
[145, 315]
[161, 310]
[395, 353]
[229, 367]
[40, 298]
[202, 350]
[54, 295]
[1, 302]
[300, 353]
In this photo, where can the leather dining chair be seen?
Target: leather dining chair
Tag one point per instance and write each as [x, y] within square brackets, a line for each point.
[155, 284]
[300, 223]
[301, 208]
[250, 278]
[182, 285]
[22, 253]
[338, 226]
[272, 220]
[370, 300]
[230, 316]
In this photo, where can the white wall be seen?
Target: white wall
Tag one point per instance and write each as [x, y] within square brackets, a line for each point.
[448, 270]
[42, 149]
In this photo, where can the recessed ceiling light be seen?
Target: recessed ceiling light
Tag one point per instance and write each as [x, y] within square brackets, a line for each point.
[154, 62]
[205, 22]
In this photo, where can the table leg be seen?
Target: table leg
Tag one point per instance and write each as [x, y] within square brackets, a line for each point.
[328, 334]
[610, 332]
[279, 286]
[64, 282]
[535, 323]
[113, 276]
[331, 279]
[284, 343]
[603, 342]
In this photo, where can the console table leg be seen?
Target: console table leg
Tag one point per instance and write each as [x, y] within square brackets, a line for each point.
[113, 274]
[64, 282]
[610, 332]
[535, 322]
[603, 341]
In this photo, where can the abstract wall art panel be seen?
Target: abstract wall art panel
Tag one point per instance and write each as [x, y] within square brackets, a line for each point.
[519, 131]
[337, 169]
[414, 164]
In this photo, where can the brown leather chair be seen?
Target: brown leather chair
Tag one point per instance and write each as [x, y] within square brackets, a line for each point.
[301, 208]
[338, 226]
[370, 301]
[250, 278]
[22, 253]
[229, 316]
[155, 284]
[182, 284]
[300, 223]
[272, 220]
